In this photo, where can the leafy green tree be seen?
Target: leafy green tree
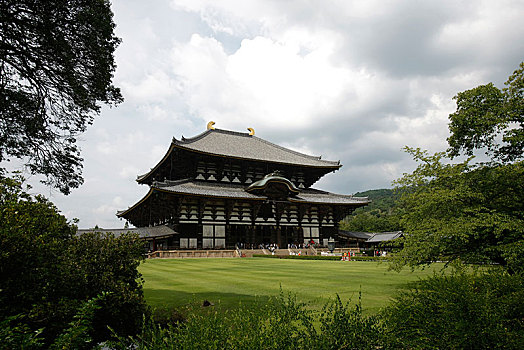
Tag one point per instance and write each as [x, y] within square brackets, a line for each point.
[47, 272]
[490, 118]
[56, 67]
[466, 212]
[471, 212]
[462, 212]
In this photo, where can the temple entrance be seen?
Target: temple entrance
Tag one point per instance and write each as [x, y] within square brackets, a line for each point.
[253, 237]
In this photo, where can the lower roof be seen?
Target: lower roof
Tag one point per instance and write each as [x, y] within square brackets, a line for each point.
[197, 188]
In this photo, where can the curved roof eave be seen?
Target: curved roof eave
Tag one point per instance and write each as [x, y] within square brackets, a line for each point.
[121, 213]
[141, 178]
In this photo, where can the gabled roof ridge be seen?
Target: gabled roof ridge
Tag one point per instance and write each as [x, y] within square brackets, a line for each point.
[200, 136]
[184, 140]
[296, 152]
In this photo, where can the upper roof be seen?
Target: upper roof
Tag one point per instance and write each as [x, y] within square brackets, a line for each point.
[232, 144]
[245, 146]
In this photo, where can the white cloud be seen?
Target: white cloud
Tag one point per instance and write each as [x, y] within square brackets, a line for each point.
[154, 87]
[263, 80]
[351, 80]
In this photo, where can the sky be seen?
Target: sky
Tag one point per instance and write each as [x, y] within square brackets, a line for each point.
[354, 81]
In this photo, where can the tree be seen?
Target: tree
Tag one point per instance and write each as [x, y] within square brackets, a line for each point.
[471, 212]
[56, 67]
[491, 118]
[47, 272]
[464, 212]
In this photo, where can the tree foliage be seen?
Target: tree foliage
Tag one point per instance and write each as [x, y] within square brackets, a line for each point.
[47, 272]
[472, 212]
[56, 67]
[462, 212]
[490, 118]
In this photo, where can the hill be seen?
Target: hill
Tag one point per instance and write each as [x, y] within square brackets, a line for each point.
[381, 215]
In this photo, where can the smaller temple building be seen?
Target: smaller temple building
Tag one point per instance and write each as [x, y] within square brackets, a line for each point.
[223, 188]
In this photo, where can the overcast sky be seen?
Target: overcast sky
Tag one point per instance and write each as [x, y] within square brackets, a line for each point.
[353, 81]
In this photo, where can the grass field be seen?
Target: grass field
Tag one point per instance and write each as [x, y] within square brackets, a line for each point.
[228, 282]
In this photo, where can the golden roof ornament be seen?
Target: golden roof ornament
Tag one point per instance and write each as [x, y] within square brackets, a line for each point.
[210, 125]
[251, 131]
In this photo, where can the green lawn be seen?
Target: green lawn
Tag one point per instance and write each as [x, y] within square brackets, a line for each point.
[228, 282]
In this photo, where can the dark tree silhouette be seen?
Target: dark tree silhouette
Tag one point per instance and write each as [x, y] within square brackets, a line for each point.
[56, 69]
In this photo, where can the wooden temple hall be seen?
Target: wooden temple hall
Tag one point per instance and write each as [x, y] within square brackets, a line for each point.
[222, 188]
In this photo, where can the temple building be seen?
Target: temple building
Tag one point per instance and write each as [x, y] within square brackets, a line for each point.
[222, 188]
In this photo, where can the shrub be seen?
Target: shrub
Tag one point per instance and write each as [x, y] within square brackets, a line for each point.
[15, 334]
[459, 311]
[281, 323]
[345, 327]
[47, 273]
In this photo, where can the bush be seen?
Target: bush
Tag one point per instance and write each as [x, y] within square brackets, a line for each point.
[47, 273]
[281, 323]
[16, 334]
[459, 311]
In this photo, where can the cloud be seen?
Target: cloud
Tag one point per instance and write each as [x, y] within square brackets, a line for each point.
[262, 79]
[353, 81]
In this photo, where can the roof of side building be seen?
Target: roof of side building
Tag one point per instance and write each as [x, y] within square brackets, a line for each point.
[143, 232]
[384, 236]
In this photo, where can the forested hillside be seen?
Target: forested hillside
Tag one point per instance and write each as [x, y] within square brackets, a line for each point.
[379, 216]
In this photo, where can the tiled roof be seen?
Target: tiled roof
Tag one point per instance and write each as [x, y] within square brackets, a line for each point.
[192, 187]
[312, 195]
[357, 235]
[242, 145]
[143, 232]
[384, 236]
[237, 191]
[272, 178]
[204, 188]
